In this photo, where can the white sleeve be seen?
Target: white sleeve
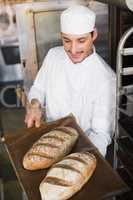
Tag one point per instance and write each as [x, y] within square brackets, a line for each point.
[38, 89]
[103, 120]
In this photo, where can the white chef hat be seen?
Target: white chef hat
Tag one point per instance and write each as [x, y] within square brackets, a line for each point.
[77, 19]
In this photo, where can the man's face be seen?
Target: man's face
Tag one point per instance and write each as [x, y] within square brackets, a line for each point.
[78, 47]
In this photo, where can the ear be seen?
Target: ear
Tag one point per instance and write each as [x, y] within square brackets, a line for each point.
[94, 34]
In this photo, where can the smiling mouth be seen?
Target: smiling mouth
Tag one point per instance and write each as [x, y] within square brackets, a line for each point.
[77, 55]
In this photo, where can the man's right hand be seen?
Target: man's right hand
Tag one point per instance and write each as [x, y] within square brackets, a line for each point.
[33, 114]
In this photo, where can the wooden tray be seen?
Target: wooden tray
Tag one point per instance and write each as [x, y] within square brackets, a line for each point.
[105, 182]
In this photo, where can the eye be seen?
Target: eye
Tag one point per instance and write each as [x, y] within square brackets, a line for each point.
[66, 41]
[81, 40]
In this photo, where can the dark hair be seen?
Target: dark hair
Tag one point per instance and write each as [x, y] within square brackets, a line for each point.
[92, 32]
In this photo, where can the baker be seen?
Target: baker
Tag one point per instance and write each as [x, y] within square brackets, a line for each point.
[75, 79]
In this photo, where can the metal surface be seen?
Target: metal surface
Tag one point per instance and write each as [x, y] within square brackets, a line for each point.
[120, 68]
[105, 182]
[124, 4]
[113, 33]
[126, 122]
[10, 68]
[119, 72]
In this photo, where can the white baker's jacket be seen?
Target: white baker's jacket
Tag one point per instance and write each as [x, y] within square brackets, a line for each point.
[86, 89]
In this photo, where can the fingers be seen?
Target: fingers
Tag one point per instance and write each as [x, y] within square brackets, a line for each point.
[33, 113]
[29, 120]
[30, 123]
[32, 119]
[38, 119]
[26, 119]
[37, 122]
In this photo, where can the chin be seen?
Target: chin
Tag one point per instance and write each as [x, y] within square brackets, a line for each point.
[75, 61]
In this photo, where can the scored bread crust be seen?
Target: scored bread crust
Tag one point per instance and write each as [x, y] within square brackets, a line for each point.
[50, 148]
[68, 176]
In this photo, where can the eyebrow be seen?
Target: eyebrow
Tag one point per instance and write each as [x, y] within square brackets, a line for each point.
[65, 38]
[82, 38]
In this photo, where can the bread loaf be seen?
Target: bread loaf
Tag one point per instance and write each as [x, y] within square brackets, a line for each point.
[68, 176]
[50, 148]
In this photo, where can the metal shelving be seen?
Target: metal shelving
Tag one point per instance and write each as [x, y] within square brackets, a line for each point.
[124, 118]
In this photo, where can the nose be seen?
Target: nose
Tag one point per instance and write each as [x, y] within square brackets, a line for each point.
[73, 48]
